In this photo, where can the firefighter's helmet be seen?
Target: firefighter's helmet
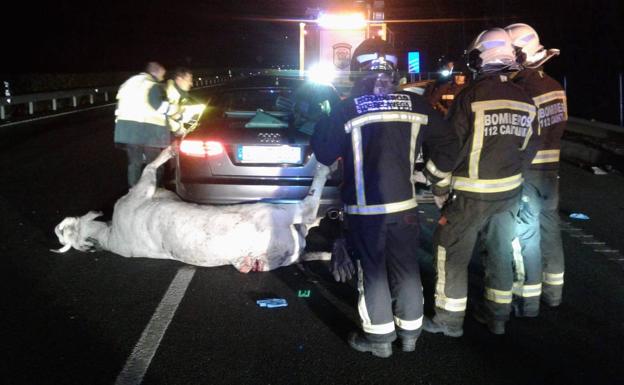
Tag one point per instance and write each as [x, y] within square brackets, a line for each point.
[491, 47]
[529, 51]
[374, 55]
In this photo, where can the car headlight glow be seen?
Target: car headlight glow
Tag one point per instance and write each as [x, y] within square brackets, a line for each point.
[322, 73]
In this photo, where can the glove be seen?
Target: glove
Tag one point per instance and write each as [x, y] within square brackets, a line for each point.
[419, 177]
[341, 265]
[440, 200]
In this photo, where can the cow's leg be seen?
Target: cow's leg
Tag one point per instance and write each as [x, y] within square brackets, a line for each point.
[308, 208]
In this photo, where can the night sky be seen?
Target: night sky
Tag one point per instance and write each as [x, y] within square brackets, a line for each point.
[108, 36]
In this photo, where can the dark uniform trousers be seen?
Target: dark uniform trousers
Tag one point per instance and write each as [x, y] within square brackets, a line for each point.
[465, 222]
[138, 157]
[390, 290]
[539, 234]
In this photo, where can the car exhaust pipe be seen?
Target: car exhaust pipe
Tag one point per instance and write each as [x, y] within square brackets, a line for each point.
[334, 213]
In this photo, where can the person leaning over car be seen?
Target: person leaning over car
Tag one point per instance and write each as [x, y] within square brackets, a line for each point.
[188, 109]
[141, 119]
[377, 132]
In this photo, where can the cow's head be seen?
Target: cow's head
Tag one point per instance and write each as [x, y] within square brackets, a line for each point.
[77, 232]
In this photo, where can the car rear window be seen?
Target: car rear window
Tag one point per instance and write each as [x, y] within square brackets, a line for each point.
[251, 99]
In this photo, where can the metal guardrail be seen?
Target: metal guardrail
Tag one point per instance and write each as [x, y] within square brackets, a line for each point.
[592, 143]
[593, 128]
[104, 94]
[30, 99]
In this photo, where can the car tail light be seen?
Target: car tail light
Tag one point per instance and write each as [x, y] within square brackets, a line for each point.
[213, 148]
[200, 148]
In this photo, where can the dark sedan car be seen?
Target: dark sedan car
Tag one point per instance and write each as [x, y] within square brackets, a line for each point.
[252, 144]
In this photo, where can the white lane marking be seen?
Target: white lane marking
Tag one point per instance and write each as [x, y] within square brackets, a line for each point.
[141, 357]
[575, 232]
[55, 115]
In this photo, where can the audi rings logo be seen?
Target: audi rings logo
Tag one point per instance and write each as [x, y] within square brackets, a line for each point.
[268, 137]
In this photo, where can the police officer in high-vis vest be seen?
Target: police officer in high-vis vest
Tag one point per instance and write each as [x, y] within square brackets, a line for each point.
[141, 119]
[188, 110]
[377, 132]
[538, 231]
[494, 119]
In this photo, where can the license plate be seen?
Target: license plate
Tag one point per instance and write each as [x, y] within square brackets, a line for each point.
[269, 154]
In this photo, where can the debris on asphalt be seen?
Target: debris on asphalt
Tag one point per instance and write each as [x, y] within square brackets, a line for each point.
[598, 171]
[579, 216]
[272, 302]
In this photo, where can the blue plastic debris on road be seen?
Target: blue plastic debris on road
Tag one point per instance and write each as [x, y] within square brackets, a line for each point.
[272, 302]
[579, 216]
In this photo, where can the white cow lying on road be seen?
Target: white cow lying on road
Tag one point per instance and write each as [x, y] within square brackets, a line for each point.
[155, 223]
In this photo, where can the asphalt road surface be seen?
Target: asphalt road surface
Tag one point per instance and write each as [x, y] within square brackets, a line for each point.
[98, 318]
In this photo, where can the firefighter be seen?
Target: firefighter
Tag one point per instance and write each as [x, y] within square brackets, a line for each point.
[445, 70]
[538, 231]
[377, 132]
[444, 95]
[494, 120]
[141, 119]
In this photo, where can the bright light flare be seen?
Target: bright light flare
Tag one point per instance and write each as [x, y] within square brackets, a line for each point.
[322, 73]
[342, 21]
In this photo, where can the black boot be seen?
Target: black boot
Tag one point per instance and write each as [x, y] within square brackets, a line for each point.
[408, 344]
[494, 326]
[433, 325]
[362, 344]
[521, 310]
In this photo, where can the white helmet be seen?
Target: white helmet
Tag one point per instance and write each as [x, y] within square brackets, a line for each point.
[491, 48]
[526, 40]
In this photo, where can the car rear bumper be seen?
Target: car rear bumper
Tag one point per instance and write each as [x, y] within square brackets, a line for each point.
[245, 193]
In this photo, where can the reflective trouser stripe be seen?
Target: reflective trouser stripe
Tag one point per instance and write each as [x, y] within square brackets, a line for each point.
[408, 325]
[552, 279]
[498, 296]
[387, 208]
[546, 156]
[487, 185]
[378, 329]
[527, 290]
[441, 300]
[367, 326]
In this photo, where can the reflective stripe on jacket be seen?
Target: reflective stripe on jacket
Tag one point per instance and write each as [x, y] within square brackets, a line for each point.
[552, 115]
[495, 120]
[378, 137]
